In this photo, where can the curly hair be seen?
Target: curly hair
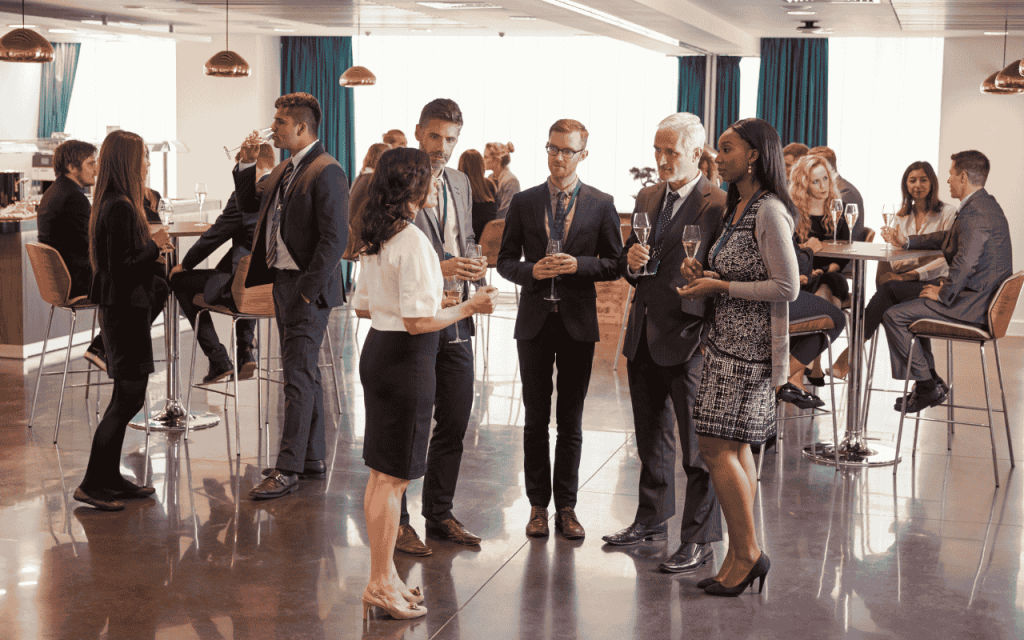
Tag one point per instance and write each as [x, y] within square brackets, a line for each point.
[402, 177]
[934, 204]
[799, 190]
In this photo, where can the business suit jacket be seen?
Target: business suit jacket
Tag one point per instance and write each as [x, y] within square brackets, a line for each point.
[673, 324]
[126, 265]
[232, 224]
[63, 223]
[314, 223]
[461, 196]
[594, 239]
[978, 251]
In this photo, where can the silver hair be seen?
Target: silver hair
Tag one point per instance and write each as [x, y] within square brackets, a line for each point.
[689, 127]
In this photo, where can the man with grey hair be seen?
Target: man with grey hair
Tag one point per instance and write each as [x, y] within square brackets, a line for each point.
[662, 347]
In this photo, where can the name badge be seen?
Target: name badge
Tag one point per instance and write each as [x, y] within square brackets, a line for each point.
[448, 256]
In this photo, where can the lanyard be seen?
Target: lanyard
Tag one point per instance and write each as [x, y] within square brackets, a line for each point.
[551, 215]
[732, 227]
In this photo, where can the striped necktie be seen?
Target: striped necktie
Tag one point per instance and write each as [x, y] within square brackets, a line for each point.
[558, 233]
[275, 220]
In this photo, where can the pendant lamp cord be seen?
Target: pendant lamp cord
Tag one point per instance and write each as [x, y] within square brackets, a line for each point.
[228, 8]
[1006, 34]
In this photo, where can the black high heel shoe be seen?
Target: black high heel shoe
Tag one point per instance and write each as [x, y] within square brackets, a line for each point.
[707, 582]
[759, 570]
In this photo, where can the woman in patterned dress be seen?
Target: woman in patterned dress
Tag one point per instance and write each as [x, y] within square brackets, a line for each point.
[753, 276]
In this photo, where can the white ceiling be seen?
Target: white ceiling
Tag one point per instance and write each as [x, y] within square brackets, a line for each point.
[719, 26]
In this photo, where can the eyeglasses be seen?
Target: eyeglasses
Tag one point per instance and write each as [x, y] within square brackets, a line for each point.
[566, 153]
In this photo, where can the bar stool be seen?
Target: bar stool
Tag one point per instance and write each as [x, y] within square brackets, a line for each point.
[54, 283]
[1000, 310]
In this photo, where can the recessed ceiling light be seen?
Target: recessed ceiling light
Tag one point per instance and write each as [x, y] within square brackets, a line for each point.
[421, 30]
[99, 22]
[62, 31]
[801, 13]
[997, 33]
[521, 18]
[458, 5]
[282, 30]
[616, 21]
[20, 26]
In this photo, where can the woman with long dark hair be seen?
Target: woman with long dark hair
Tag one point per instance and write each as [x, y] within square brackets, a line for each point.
[485, 202]
[357, 200]
[130, 294]
[400, 292]
[753, 276]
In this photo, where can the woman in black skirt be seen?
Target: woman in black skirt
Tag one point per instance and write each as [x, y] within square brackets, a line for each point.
[399, 290]
[130, 294]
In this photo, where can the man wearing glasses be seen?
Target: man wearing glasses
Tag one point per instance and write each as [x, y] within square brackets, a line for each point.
[564, 232]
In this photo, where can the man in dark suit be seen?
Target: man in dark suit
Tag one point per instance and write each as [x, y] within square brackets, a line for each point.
[449, 226]
[63, 221]
[977, 249]
[662, 347]
[563, 332]
[848, 193]
[300, 236]
[238, 226]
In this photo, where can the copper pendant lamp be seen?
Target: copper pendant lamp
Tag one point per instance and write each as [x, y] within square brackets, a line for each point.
[25, 45]
[227, 63]
[357, 76]
[1011, 77]
[1002, 83]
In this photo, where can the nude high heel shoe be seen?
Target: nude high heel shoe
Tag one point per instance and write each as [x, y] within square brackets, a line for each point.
[372, 600]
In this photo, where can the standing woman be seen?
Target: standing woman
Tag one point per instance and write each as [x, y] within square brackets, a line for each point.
[400, 291]
[753, 276]
[497, 156]
[130, 295]
[485, 201]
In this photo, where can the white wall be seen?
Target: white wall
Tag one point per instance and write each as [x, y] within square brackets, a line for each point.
[218, 112]
[991, 124]
[19, 111]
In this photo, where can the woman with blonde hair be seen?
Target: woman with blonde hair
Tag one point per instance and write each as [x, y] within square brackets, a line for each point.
[812, 186]
[496, 160]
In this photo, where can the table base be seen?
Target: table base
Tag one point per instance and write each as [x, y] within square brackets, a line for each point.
[161, 421]
[866, 455]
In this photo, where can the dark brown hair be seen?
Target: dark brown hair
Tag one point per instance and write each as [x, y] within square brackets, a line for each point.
[302, 107]
[394, 136]
[441, 109]
[471, 163]
[402, 176]
[974, 164]
[120, 175]
[373, 154]
[828, 154]
[70, 155]
[795, 149]
[934, 204]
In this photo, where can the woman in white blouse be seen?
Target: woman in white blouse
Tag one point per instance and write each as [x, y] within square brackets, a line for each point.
[400, 291]
[921, 212]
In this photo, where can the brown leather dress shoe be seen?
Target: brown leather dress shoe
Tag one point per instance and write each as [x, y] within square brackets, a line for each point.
[409, 542]
[453, 531]
[568, 525]
[277, 484]
[537, 527]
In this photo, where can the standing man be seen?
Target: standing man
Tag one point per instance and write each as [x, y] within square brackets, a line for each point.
[662, 348]
[63, 221]
[449, 226]
[300, 236]
[980, 257]
[563, 332]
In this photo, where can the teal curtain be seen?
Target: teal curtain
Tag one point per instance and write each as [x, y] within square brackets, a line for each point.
[727, 100]
[313, 65]
[55, 85]
[792, 93]
[692, 70]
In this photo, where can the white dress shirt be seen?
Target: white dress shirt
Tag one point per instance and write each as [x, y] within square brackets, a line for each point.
[934, 221]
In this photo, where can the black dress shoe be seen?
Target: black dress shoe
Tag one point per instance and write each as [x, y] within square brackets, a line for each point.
[796, 396]
[311, 469]
[409, 542]
[103, 501]
[219, 371]
[636, 533]
[688, 557]
[918, 401]
[818, 382]
[276, 485]
[453, 531]
[939, 382]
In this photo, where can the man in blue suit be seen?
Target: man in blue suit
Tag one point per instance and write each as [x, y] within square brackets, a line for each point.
[977, 249]
[238, 226]
[562, 332]
[300, 235]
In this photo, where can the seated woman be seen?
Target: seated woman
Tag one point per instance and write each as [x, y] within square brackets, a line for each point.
[485, 200]
[357, 199]
[921, 212]
[400, 292]
[813, 188]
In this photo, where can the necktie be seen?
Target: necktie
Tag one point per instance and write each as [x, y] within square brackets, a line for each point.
[275, 220]
[666, 213]
[558, 233]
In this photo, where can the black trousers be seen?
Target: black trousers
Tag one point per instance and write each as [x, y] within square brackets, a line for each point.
[807, 306]
[453, 403]
[302, 326]
[652, 388]
[187, 285]
[554, 347]
[103, 472]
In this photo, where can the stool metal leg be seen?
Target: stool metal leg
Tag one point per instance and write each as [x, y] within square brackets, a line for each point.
[259, 399]
[64, 379]
[988, 407]
[192, 376]
[1002, 395]
[622, 330]
[871, 377]
[832, 389]
[234, 397]
[39, 372]
[951, 426]
[903, 407]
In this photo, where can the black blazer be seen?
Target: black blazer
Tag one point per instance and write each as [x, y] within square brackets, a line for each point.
[594, 239]
[232, 224]
[63, 223]
[674, 325]
[126, 265]
[314, 223]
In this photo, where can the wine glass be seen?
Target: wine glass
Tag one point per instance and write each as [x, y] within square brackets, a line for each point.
[836, 211]
[201, 197]
[554, 248]
[165, 209]
[264, 136]
[476, 252]
[888, 217]
[691, 240]
[851, 218]
[453, 294]
[642, 229]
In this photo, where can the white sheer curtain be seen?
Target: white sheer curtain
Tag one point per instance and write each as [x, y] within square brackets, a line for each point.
[513, 89]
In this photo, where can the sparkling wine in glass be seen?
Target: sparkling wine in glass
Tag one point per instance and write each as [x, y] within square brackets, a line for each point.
[264, 136]
[888, 217]
[554, 248]
[851, 218]
[691, 240]
[642, 229]
[165, 209]
[836, 212]
[201, 197]
[453, 296]
[476, 252]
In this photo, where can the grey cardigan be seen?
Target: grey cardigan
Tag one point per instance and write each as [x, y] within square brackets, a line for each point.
[773, 230]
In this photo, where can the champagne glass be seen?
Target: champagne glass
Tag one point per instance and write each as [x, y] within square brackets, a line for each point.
[836, 211]
[888, 217]
[554, 248]
[165, 209]
[264, 136]
[691, 240]
[453, 294]
[476, 252]
[642, 229]
[201, 197]
[851, 218]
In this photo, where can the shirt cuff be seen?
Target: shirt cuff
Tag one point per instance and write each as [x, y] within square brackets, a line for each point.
[242, 166]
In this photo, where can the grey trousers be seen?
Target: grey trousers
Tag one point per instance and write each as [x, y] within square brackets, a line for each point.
[897, 321]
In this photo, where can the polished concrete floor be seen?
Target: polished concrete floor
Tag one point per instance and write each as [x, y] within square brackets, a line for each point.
[934, 552]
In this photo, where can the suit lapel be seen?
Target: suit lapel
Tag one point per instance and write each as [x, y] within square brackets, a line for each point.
[273, 182]
[579, 218]
[689, 212]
